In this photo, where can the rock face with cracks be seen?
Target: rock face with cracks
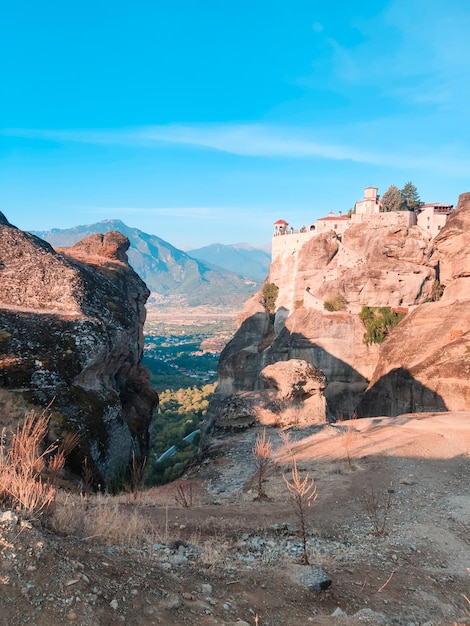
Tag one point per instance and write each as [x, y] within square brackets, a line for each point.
[71, 334]
[289, 393]
[425, 365]
[322, 286]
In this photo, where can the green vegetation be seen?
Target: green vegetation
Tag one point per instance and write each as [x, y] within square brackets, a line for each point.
[182, 371]
[335, 302]
[181, 356]
[379, 321]
[181, 412]
[409, 197]
[270, 293]
[391, 200]
[406, 199]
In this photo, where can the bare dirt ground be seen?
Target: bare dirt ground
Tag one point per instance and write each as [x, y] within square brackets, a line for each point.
[227, 558]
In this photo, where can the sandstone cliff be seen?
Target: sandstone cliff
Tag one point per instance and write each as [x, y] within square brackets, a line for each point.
[373, 264]
[425, 365]
[71, 333]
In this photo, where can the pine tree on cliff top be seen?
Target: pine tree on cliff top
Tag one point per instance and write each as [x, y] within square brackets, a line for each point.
[409, 197]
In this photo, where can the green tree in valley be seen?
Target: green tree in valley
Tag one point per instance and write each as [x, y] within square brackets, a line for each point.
[391, 200]
[180, 414]
[409, 197]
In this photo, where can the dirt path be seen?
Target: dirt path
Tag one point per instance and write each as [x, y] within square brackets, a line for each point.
[227, 557]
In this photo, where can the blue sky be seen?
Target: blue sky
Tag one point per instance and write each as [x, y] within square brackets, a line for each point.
[207, 121]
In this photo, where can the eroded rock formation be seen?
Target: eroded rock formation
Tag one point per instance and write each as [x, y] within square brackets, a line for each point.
[289, 393]
[425, 363]
[71, 334]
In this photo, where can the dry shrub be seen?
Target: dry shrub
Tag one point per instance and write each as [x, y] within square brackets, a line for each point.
[137, 471]
[348, 437]
[303, 493]
[184, 495]
[263, 458]
[378, 510]
[101, 518]
[29, 467]
[22, 486]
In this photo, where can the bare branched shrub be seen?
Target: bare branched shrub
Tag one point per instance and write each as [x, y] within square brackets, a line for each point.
[378, 510]
[263, 457]
[348, 437]
[286, 440]
[303, 493]
[137, 471]
[22, 485]
[184, 496]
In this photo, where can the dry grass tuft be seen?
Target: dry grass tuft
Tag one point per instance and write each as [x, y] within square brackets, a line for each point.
[22, 463]
[29, 467]
[103, 518]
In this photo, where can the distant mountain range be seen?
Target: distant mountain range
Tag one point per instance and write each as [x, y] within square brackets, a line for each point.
[173, 276]
[240, 257]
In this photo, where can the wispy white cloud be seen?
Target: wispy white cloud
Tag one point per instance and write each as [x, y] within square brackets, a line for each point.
[194, 213]
[241, 139]
[257, 140]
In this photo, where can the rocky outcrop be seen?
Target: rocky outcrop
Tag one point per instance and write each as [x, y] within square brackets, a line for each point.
[289, 393]
[425, 365]
[453, 246]
[241, 360]
[296, 388]
[369, 265]
[71, 334]
[425, 362]
[333, 343]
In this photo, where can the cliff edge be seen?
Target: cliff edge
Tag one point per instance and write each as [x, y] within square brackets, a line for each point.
[425, 364]
[323, 285]
[71, 335]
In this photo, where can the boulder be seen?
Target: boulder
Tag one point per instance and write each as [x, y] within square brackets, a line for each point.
[294, 380]
[315, 580]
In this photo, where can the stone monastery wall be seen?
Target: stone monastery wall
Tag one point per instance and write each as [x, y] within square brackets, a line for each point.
[430, 217]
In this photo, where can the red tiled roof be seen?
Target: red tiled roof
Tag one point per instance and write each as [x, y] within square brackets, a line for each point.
[281, 222]
[339, 217]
